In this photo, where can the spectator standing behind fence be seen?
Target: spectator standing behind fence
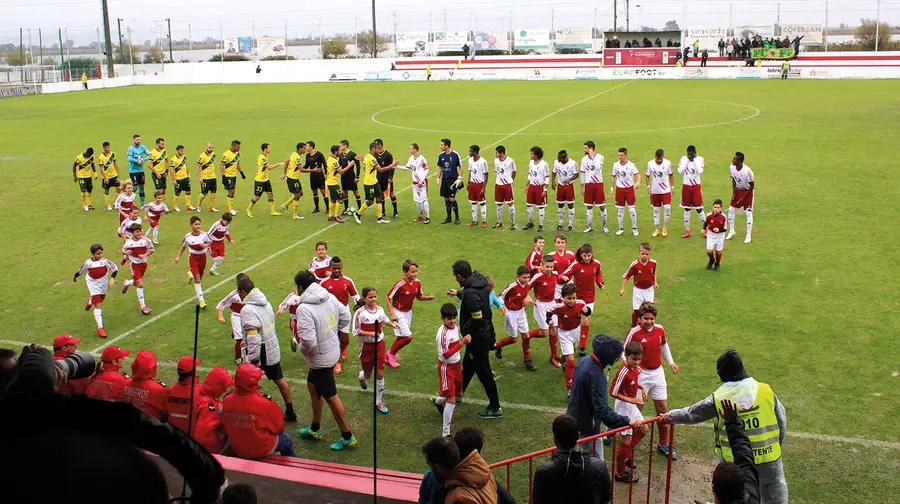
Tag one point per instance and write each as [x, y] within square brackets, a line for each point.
[696, 48]
[721, 46]
[760, 410]
[704, 56]
[729, 50]
[571, 475]
[252, 420]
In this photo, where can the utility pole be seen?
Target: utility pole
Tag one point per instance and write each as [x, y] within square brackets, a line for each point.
[374, 33]
[169, 24]
[877, 23]
[825, 34]
[41, 43]
[394, 33]
[107, 38]
[616, 16]
[730, 11]
[191, 39]
[778, 14]
[121, 46]
[22, 47]
[627, 15]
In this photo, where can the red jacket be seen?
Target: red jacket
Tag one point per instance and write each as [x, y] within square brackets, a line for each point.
[178, 403]
[71, 387]
[252, 419]
[108, 384]
[143, 390]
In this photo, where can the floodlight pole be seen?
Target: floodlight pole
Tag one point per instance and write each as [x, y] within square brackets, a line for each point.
[169, 24]
[121, 46]
[374, 33]
[877, 23]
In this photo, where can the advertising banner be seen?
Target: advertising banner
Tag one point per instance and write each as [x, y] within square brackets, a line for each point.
[531, 40]
[6, 92]
[811, 33]
[378, 76]
[412, 42]
[650, 56]
[238, 46]
[574, 38]
[587, 74]
[450, 40]
[490, 40]
[772, 53]
[646, 73]
[270, 46]
[708, 36]
[344, 77]
[749, 31]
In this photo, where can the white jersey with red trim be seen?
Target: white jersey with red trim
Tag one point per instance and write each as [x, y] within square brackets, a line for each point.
[538, 173]
[477, 170]
[659, 176]
[418, 165]
[320, 267]
[136, 247]
[592, 169]
[505, 170]
[123, 227]
[624, 174]
[197, 244]
[124, 201]
[232, 301]
[691, 169]
[369, 321]
[219, 231]
[742, 177]
[96, 274]
[155, 210]
[446, 337]
[290, 304]
[566, 173]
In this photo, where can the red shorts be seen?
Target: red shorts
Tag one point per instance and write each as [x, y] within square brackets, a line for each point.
[476, 191]
[450, 379]
[372, 355]
[565, 193]
[594, 194]
[98, 298]
[742, 199]
[154, 222]
[658, 200]
[138, 270]
[217, 249]
[121, 218]
[536, 196]
[503, 193]
[198, 264]
[691, 196]
[624, 196]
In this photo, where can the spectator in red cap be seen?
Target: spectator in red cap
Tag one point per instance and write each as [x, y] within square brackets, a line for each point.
[63, 346]
[252, 420]
[178, 402]
[109, 381]
[208, 430]
[143, 390]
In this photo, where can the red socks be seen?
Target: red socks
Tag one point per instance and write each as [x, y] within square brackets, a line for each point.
[237, 348]
[554, 345]
[526, 349]
[626, 452]
[634, 318]
[570, 373]
[400, 342]
[509, 340]
[718, 257]
[534, 333]
[582, 341]
[663, 434]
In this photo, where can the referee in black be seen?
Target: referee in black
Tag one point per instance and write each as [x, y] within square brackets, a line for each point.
[350, 178]
[386, 178]
[475, 320]
[314, 160]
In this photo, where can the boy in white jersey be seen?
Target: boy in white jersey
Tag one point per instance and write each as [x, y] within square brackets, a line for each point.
[154, 211]
[124, 231]
[101, 273]
[419, 168]
[592, 185]
[138, 248]
[505, 167]
[742, 195]
[624, 171]
[565, 171]
[450, 378]
[290, 303]
[367, 326]
[691, 167]
[478, 175]
[320, 265]
[218, 233]
[197, 242]
[125, 201]
[536, 194]
[233, 302]
[661, 180]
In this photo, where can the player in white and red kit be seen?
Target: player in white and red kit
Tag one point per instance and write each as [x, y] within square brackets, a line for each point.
[562, 259]
[343, 288]
[565, 172]
[400, 300]
[623, 171]
[652, 337]
[320, 265]
[137, 248]
[505, 167]
[592, 185]
[418, 165]
[715, 226]
[155, 209]
[125, 201]
[643, 270]
[235, 304]
[367, 326]
[478, 175]
[742, 196]
[536, 256]
[568, 315]
[515, 298]
[536, 193]
[197, 242]
[124, 231]
[586, 273]
[543, 283]
[660, 181]
[450, 375]
[218, 233]
[630, 396]
[100, 274]
[691, 167]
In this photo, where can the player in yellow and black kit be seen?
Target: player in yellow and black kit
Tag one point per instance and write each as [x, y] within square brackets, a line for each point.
[82, 170]
[231, 166]
[181, 179]
[159, 165]
[292, 169]
[350, 179]
[333, 173]
[386, 176]
[206, 171]
[373, 193]
[109, 168]
[261, 183]
[315, 164]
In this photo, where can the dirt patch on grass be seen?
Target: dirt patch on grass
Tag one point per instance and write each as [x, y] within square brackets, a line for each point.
[691, 481]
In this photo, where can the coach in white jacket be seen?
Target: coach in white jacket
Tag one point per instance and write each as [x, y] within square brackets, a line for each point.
[323, 325]
[260, 341]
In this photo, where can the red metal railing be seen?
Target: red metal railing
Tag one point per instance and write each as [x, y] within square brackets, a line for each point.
[592, 439]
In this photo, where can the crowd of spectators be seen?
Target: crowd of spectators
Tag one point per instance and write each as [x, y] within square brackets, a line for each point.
[615, 43]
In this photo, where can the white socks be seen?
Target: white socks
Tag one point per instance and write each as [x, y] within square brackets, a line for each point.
[427, 209]
[620, 217]
[530, 210]
[198, 288]
[731, 219]
[379, 390]
[571, 216]
[140, 296]
[687, 220]
[128, 282]
[656, 216]
[512, 215]
[633, 213]
[702, 215]
[559, 215]
[541, 216]
[667, 212]
[474, 212]
[500, 213]
[156, 233]
[589, 213]
[603, 215]
[483, 206]
[217, 261]
[448, 417]
[98, 317]
[749, 214]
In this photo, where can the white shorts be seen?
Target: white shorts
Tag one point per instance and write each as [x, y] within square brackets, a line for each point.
[557, 291]
[627, 409]
[515, 322]
[715, 241]
[639, 296]
[655, 382]
[420, 194]
[589, 305]
[568, 340]
[237, 330]
[540, 311]
[404, 322]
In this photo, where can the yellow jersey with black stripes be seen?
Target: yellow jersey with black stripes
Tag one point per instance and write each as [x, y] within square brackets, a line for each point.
[332, 169]
[293, 167]
[179, 166]
[370, 174]
[262, 172]
[230, 161]
[207, 162]
[83, 166]
[108, 164]
[158, 160]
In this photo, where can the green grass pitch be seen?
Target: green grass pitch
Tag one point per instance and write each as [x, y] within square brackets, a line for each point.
[811, 304]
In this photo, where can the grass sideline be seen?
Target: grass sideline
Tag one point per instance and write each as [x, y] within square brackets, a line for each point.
[808, 303]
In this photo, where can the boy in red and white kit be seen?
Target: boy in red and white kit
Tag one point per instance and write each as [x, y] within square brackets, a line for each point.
[399, 300]
[536, 257]
[505, 167]
[743, 185]
[478, 176]
[515, 298]
[544, 285]
[125, 201]
[715, 226]
[137, 248]
[450, 376]
[536, 193]
[197, 242]
[320, 264]
[367, 326]
[218, 233]
[630, 396]
[101, 273]
[661, 179]
[691, 167]
[652, 337]
[592, 185]
[155, 209]
[233, 302]
[568, 315]
[585, 272]
[343, 288]
[624, 171]
[565, 171]
[562, 259]
[645, 285]
[124, 231]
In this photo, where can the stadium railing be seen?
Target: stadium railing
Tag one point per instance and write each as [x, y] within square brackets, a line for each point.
[652, 423]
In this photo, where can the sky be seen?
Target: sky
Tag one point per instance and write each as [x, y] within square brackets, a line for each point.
[203, 18]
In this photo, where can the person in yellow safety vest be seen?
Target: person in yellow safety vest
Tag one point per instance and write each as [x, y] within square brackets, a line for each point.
[785, 69]
[84, 80]
[763, 415]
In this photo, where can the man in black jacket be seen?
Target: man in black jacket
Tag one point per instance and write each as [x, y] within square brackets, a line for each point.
[735, 482]
[475, 320]
[571, 475]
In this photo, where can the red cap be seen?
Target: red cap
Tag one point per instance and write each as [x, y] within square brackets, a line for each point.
[62, 340]
[187, 364]
[112, 353]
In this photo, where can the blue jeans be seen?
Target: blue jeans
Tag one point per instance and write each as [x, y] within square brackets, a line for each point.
[285, 445]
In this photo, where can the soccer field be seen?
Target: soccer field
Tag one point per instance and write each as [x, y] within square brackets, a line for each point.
[811, 304]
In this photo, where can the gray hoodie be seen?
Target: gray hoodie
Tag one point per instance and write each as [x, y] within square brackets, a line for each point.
[320, 316]
[258, 321]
